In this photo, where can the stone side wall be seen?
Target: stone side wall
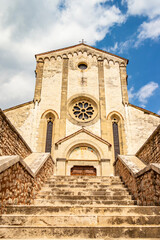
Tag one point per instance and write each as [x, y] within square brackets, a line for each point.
[17, 186]
[150, 151]
[144, 187]
[139, 125]
[22, 118]
[11, 142]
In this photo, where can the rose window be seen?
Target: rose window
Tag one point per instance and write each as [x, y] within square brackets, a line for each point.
[83, 110]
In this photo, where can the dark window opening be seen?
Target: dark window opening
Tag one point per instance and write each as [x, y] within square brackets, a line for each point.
[116, 139]
[49, 136]
[82, 66]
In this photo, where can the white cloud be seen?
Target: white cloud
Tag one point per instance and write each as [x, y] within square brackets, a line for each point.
[149, 30]
[121, 47]
[143, 7]
[151, 9]
[144, 93]
[158, 112]
[42, 25]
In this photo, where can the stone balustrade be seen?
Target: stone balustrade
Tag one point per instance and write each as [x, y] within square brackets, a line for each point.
[20, 180]
[143, 181]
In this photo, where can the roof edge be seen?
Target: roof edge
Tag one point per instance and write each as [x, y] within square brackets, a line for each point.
[87, 132]
[61, 49]
[144, 110]
[17, 106]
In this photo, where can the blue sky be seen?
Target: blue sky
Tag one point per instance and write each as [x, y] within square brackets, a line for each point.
[128, 28]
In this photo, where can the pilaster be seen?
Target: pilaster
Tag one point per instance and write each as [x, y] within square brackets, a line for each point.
[123, 76]
[64, 88]
[102, 102]
[39, 75]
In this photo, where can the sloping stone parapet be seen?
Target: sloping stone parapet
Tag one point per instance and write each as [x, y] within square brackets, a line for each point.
[11, 142]
[20, 180]
[142, 181]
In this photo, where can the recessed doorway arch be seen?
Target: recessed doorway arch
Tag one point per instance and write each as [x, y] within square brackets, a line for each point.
[83, 159]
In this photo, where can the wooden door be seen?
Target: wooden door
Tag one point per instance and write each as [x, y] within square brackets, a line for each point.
[83, 171]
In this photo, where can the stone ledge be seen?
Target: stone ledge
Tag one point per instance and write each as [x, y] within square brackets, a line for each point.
[33, 163]
[135, 166]
[8, 161]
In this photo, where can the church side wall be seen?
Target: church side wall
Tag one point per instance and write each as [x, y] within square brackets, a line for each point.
[22, 119]
[11, 142]
[150, 151]
[139, 126]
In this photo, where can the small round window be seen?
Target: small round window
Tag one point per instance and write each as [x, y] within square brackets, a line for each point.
[82, 66]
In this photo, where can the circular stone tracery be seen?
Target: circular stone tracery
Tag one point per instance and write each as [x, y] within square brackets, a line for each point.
[83, 110]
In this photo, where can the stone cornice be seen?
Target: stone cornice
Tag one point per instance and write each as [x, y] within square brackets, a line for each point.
[65, 52]
[83, 130]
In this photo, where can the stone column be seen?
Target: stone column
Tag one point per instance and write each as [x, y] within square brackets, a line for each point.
[61, 166]
[102, 102]
[63, 110]
[123, 76]
[39, 75]
[106, 167]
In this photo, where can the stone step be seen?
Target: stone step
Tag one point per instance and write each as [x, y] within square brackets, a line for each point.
[84, 178]
[78, 220]
[88, 238]
[79, 210]
[51, 196]
[88, 186]
[84, 192]
[84, 182]
[83, 202]
[148, 231]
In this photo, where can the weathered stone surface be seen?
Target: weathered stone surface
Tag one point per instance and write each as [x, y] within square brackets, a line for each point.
[143, 183]
[150, 151]
[20, 182]
[94, 221]
[11, 142]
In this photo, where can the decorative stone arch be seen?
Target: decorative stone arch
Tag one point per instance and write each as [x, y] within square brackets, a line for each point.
[69, 151]
[116, 124]
[48, 120]
[96, 163]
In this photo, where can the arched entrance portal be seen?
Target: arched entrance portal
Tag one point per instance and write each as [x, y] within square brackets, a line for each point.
[83, 161]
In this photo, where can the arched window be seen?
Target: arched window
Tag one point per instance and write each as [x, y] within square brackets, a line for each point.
[49, 135]
[115, 137]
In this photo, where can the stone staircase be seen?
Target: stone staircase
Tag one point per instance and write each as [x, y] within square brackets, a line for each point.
[81, 207]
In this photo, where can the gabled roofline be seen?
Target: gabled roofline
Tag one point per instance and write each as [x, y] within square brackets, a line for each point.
[144, 110]
[61, 49]
[83, 130]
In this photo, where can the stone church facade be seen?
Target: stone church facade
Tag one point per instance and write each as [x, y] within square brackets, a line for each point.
[81, 113]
